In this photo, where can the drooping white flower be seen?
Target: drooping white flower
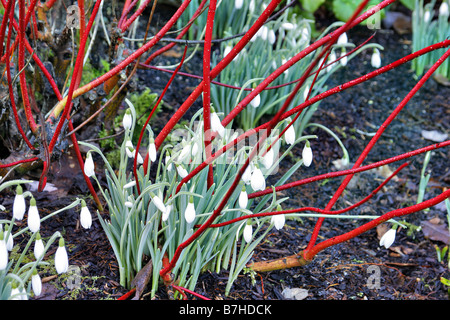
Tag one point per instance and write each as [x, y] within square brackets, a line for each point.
[343, 39]
[227, 50]
[128, 204]
[267, 159]
[427, 16]
[19, 206]
[443, 9]
[307, 154]
[287, 26]
[189, 213]
[251, 6]
[3, 252]
[194, 149]
[39, 247]
[36, 283]
[388, 238]
[9, 241]
[89, 165]
[216, 124]
[158, 203]
[238, 4]
[61, 258]
[278, 220]
[34, 221]
[130, 184]
[256, 101]
[85, 216]
[182, 171]
[243, 198]
[264, 32]
[168, 165]
[343, 60]
[127, 120]
[289, 134]
[376, 58]
[271, 37]
[247, 175]
[331, 59]
[152, 150]
[18, 293]
[248, 233]
[257, 181]
[166, 213]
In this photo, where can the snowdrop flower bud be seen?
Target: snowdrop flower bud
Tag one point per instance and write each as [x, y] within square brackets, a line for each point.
[130, 184]
[34, 221]
[238, 4]
[216, 124]
[256, 101]
[18, 293]
[287, 26]
[128, 204]
[251, 6]
[85, 216]
[343, 60]
[158, 203]
[257, 180]
[227, 50]
[189, 213]
[152, 150]
[247, 175]
[307, 154]
[264, 32]
[19, 206]
[182, 171]
[376, 59]
[443, 9]
[331, 59]
[36, 283]
[243, 198]
[278, 221]
[127, 120]
[194, 149]
[271, 36]
[268, 159]
[166, 213]
[9, 241]
[427, 16]
[343, 39]
[89, 165]
[248, 232]
[388, 238]
[3, 252]
[168, 167]
[61, 258]
[38, 247]
[289, 134]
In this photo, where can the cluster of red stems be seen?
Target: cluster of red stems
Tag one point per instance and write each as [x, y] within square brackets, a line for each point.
[61, 113]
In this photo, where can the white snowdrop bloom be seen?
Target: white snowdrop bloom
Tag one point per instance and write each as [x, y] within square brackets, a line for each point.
[168, 166]
[376, 58]
[257, 181]
[3, 252]
[18, 294]
[128, 204]
[194, 149]
[127, 120]
[331, 59]
[305, 35]
[283, 61]
[129, 184]
[34, 221]
[166, 213]
[247, 175]
[343, 60]
[85, 216]
[343, 39]
[443, 9]
[243, 198]
[189, 213]
[278, 220]
[287, 26]
[256, 101]
[248, 233]
[9, 241]
[271, 37]
[182, 171]
[267, 159]
[427, 16]
[158, 203]
[39, 247]
[289, 135]
[61, 258]
[307, 154]
[89, 165]
[306, 92]
[36, 283]
[238, 4]
[227, 50]
[19, 206]
[251, 6]
[152, 150]
[184, 155]
[264, 32]
[140, 160]
[216, 124]
[388, 238]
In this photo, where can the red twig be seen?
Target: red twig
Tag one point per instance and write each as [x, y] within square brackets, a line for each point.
[18, 162]
[183, 290]
[135, 15]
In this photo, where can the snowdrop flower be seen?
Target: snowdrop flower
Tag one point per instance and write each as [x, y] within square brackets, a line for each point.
[185, 152]
[243, 198]
[34, 221]
[189, 213]
[127, 120]
[427, 16]
[128, 204]
[194, 149]
[443, 9]
[287, 26]
[182, 171]
[3, 252]
[169, 166]
[283, 61]
[130, 184]
[256, 101]
[89, 165]
[158, 203]
[251, 6]
[278, 221]
[289, 134]
[257, 180]
[85, 216]
[388, 238]
[248, 232]
[247, 175]
[331, 59]
[227, 50]
[216, 124]
[36, 283]
[151, 150]
[61, 258]
[343, 39]
[264, 32]
[9, 241]
[376, 59]
[238, 4]
[18, 294]
[307, 154]
[19, 205]
[166, 213]
[267, 160]
[271, 36]
[343, 60]
[38, 246]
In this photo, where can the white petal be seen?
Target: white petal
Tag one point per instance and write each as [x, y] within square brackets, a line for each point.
[287, 26]
[89, 165]
[166, 213]
[257, 181]
[127, 120]
[189, 213]
[268, 159]
[3, 255]
[152, 152]
[307, 155]
[36, 284]
[278, 220]
[256, 101]
[289, 135]
[248, 233]
[243, 199]
[443, 9]
[238, 4]
[271, 36]
[182, 171]
[38, 248]
[216, 124]
[61, 260]
[376, 59]
[19, 207]
[130, 184]
[85, 218]
[34, 221]
[388, 238]
[343, 39]
[159, 204]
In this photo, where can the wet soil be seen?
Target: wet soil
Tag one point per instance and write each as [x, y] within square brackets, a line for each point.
[409, 270]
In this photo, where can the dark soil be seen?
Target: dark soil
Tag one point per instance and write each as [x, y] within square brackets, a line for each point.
[408, 270]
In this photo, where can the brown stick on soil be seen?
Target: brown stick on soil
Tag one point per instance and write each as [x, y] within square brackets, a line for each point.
[295, 260]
